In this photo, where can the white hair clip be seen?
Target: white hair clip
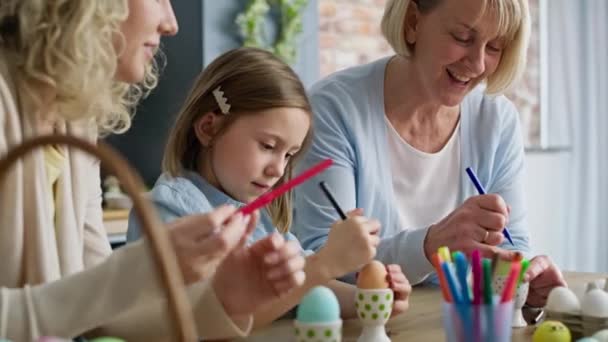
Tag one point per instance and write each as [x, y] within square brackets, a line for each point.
[221, 100]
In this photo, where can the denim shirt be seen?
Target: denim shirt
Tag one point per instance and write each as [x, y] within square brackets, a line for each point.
[191, 194]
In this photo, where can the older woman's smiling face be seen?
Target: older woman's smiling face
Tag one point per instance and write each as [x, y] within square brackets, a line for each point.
[456, 46]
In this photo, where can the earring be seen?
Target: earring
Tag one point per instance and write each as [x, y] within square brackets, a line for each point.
[410, 37]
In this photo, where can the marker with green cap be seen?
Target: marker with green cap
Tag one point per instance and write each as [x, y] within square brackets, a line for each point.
[487, 281]
[524, 267]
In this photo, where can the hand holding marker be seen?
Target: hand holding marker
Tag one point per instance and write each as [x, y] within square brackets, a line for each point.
[481, 191]
[270, 196]
[332, 200]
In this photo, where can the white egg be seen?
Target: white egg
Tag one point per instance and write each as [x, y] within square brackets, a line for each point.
[561, 299]
[601, 336]
[595, 304]
[579, 290]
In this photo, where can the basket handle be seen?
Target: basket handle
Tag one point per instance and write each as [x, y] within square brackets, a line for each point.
[163, 252]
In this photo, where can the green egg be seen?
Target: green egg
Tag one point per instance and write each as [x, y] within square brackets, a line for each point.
[552, 331]
[108, 339]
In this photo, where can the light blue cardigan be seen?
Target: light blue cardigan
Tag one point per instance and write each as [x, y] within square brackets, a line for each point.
[350, 129]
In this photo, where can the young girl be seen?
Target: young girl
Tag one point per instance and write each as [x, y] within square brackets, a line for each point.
[243, 126]
[76, 67]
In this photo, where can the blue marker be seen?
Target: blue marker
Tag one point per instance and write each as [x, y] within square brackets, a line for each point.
[462, 267]
[452, 283]
[481, 191]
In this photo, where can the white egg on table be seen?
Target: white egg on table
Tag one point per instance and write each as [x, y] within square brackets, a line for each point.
[563, 300]
[595, 304]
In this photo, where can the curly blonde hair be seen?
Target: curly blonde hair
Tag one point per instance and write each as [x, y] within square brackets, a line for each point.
[52, 44]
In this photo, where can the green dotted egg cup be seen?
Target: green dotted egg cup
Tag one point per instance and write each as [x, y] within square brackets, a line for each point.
[318, 332]
[374, 306]
[521, 295]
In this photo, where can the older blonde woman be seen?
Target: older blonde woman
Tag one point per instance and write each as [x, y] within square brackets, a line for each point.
[79, 67]
[403, 129]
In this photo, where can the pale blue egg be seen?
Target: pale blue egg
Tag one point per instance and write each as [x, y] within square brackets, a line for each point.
[601, 336]
[319, 305]
[587, 339]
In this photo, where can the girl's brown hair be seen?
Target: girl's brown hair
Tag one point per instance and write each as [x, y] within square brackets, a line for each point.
[252, 80]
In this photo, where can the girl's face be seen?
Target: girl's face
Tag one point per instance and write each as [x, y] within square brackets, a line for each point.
[148, 20]
[250, 157]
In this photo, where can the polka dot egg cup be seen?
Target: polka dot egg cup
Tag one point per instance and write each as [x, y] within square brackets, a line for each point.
[374, 309]
[318, 332]
[521, 295]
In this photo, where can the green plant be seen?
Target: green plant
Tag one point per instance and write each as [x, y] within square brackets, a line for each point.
[252, 20]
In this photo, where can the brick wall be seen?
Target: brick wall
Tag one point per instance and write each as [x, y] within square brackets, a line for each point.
[350, 33]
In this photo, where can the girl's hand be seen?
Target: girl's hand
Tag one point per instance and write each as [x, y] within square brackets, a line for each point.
[401, 288]
[350, 245]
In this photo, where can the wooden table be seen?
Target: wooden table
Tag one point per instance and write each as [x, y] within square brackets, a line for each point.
[422, 322]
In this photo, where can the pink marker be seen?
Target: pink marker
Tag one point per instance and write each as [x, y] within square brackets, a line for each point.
[477, 275]
[270, 196]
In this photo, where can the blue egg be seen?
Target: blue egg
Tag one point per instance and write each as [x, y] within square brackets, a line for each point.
[319, 305]
[587, 339]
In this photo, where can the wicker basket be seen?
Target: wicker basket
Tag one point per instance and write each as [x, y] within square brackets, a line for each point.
[163, 253]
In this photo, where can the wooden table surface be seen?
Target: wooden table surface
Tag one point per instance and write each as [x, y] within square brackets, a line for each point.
[422, 322]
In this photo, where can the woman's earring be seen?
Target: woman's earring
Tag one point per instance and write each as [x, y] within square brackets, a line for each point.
[410, 37]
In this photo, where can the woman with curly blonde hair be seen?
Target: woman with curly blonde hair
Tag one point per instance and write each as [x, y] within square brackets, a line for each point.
[80, 67]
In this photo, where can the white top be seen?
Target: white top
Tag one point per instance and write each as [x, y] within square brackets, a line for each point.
[426, 185]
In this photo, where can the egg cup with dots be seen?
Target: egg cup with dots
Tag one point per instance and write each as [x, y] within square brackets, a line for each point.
[374, 308]
[519, 300]
[325, 332]
[318, 317]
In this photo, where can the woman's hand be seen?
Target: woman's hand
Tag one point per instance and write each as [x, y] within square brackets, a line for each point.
[350, 245]
[201, 242]
[477, 224]
[543, 276]
[401, 288]
[254, 276]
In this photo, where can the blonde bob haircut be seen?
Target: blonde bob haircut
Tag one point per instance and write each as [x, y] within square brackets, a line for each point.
[252, 80]
[67, 48]
[513, 24]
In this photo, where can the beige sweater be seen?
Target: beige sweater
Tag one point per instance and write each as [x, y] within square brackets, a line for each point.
[63, 280]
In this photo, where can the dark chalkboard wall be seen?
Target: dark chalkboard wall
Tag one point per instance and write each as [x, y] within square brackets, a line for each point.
[206, 29]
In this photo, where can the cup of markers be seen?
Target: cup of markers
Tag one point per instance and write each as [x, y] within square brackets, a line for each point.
[472, 312]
